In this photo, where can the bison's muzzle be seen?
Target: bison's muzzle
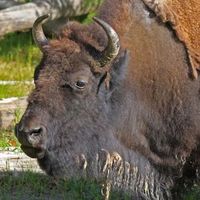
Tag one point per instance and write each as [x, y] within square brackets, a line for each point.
[31, 140]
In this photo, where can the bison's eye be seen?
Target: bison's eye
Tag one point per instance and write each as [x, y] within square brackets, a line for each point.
[80, 84]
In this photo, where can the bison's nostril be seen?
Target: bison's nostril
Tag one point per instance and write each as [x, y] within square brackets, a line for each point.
[36, 131]
[35, 135]
[29, 135]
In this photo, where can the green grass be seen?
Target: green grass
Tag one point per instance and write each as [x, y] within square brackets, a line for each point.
[36, 186]
[32, 186]
[193, 194]
[7, 139]
[18, 57]
[17, 90]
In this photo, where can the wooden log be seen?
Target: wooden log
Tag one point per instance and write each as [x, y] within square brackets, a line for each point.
[12, 160]
[22, 16]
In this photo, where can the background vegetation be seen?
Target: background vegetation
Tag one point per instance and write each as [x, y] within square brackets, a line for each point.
[18, 58]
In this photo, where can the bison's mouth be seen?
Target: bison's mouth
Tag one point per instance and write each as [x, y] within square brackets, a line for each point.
[33, 152]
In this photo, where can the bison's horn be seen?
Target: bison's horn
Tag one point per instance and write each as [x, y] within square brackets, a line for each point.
[38, 33]
[112, 49]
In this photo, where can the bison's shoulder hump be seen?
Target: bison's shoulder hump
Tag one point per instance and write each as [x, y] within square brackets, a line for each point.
[184, 19]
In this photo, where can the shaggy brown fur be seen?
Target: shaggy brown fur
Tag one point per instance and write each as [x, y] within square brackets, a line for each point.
[184, 18]
[149, 115]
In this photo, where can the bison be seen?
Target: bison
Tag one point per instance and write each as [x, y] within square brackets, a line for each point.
[114, 101]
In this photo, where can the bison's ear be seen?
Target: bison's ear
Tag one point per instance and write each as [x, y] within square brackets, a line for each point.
[119, 70]
[117, 74]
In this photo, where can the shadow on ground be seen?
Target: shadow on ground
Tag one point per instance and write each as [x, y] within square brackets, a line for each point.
[37, 186]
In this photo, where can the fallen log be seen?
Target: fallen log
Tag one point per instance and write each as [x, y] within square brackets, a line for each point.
[20, 17]
[16, 161]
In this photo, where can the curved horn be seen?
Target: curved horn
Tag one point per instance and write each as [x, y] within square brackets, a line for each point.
[112, 49]
[38, 33]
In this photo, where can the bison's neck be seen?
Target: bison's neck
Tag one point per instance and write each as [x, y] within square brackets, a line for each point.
[152, 104]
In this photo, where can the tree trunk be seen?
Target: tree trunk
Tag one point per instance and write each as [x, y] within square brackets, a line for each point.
[20, 17]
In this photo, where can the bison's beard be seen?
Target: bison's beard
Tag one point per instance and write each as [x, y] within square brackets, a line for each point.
[139, 178]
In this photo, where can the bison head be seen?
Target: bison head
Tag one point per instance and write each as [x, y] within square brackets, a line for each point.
[69, 110]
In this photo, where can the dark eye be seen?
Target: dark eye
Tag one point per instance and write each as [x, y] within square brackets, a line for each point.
[80, 84]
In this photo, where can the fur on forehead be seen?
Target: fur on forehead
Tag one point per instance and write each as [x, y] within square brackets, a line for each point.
[63, 45]
[78, 37]
[68, 55]
[78, 41]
